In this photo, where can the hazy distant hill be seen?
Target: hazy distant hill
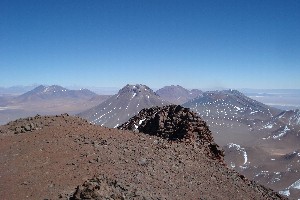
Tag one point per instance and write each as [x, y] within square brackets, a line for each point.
[16, 90]
[177, 94]
[47, 100]
[120, 107]
[54, 92]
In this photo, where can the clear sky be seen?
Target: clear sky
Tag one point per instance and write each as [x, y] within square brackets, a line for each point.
[196, 44]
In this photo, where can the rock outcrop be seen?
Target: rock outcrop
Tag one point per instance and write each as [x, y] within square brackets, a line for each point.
[175, 123]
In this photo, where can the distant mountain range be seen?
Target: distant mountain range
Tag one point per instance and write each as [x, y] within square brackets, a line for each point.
[259, 140]
[178, 94]
[119, 108]
[47, 100]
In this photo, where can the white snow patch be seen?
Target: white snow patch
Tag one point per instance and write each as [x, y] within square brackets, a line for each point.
[134, 94]
[281, 134]
[295, 185]
[237, 108]
[116, 125]
[141, 121]
[46, 89]
[269, 126]
[232, 165]
[240, 149]
[285, 192]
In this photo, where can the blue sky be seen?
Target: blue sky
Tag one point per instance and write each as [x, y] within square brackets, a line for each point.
[196, 44]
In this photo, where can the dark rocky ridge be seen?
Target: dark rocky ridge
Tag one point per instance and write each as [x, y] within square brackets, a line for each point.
[175, 123]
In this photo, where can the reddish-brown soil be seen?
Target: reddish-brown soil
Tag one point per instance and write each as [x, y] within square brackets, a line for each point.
[48, 157]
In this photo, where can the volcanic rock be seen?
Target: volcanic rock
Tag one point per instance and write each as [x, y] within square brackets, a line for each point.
[175, 122]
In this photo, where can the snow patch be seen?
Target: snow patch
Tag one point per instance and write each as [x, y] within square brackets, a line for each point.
[232, 165]
[253, 112]
[285, 192]
[46, 89]
[282, 133]
[295, 185]
[240, 149]
[237, 108]
[269, 126]
[141, 121]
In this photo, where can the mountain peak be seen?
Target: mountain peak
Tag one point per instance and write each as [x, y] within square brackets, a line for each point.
[177, 94]
[120, 107]
[137, 88]
[53, 92]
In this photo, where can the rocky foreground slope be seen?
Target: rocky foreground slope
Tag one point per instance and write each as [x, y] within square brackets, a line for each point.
[52, 157]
